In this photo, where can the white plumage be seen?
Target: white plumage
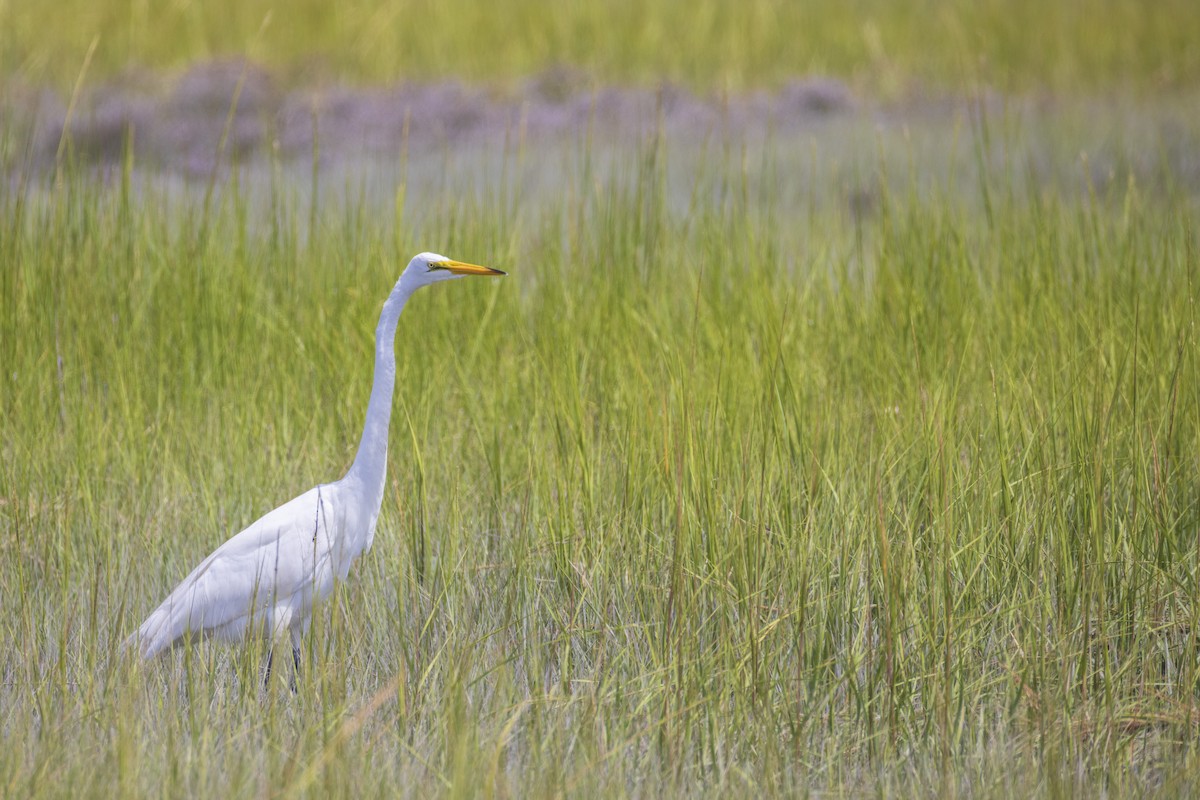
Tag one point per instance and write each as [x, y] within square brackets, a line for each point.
[265, 580]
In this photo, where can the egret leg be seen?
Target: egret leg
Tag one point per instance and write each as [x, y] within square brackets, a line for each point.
[267, 671]
[295, 634]
[296, 662]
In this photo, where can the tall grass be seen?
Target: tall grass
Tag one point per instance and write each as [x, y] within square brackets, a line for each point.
[708, 44]
[740, 501]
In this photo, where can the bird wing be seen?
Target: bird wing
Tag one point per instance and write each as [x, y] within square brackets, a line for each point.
[282, 555]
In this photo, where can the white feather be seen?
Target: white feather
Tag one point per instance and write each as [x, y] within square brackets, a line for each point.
[265, 580]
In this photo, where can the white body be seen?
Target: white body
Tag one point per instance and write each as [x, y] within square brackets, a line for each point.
[266, 579]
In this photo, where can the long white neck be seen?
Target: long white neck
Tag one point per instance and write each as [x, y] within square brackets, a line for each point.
[370, 464]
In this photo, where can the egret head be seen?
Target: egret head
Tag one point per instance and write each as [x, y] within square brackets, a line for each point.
[427, 268]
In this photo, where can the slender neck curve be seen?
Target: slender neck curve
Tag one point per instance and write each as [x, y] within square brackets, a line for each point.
[370, 463]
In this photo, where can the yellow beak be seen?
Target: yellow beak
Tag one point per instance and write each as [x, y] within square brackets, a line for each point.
[459, 268]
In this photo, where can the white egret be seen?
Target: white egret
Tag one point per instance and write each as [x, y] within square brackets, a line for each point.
[265, 580]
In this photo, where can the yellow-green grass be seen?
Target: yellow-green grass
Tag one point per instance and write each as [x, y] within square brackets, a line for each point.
[733, 501]
[707, 44]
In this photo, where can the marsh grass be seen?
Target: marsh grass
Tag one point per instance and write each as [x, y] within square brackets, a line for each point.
[706, 44]
[750, 499]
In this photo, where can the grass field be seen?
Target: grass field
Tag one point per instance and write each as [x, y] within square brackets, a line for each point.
[859, 464]
[706, 44]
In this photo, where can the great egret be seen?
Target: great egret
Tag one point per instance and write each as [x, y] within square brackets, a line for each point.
[265, 580]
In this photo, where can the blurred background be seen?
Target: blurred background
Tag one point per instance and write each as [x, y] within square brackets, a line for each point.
[357, 87]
